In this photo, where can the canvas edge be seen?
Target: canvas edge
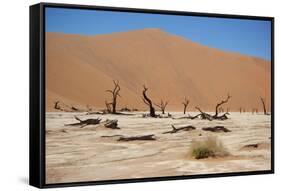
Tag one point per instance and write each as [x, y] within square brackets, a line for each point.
[37, 90]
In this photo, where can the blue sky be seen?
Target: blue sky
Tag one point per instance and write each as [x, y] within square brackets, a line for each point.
[250, 37]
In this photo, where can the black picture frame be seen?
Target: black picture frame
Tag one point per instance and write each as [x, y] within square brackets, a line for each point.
[37, 94]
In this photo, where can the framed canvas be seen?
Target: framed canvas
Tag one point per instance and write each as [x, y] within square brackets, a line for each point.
[130, 95]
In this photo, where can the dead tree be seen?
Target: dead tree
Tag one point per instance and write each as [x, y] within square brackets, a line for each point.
[57, 106]
[115, 94]
[220, 104]
[185, 104]
[162, 105]
[209, 117]
[148, 102]
[83, 123]
[263, 105]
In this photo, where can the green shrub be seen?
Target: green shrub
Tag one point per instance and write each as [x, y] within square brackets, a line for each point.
[209, 147]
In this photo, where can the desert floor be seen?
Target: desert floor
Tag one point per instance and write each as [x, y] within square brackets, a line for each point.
[76, 154]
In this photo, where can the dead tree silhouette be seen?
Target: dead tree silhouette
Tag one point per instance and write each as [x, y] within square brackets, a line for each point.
[220, 104]
[162, 105]
[209, 117]
[115, 94]
[185, 104]
[148, 102]
[57, 106]
[263, 105]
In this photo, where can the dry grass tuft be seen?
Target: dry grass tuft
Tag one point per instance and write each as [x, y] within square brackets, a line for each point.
[209, 147]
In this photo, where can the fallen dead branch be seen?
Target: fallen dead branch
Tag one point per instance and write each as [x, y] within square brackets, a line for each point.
[105, 112]
[109, 136]
[251, 146]
[83, 123]
[95, 113]
[138, 138]
[203, 115]
[256, 146]
[216, 129]
[188, 117]
[175, 130]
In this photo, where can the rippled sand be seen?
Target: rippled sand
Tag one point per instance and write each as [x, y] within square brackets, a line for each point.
[76, 154]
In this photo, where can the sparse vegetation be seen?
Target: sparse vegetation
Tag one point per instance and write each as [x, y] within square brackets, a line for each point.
[209, 147]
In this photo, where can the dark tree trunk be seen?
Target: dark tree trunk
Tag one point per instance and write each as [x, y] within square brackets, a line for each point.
[148, 102]
[185, 104]
[263, 105]
[57, 106]
[114, 105]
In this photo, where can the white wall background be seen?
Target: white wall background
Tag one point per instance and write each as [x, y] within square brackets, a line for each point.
[14, 51]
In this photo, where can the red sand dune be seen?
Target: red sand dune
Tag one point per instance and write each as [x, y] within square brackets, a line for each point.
[80, 68]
